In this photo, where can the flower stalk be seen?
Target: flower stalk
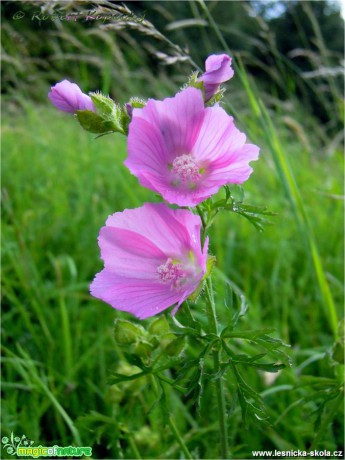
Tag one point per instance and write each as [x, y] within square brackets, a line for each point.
[222, 416]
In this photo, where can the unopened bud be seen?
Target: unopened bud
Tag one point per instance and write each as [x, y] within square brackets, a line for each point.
[126, 332]
[176, 347]
[159, 326]
[143, 349]
[114, 395]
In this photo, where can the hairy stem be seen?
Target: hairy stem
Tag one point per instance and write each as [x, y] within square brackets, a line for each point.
[222, 417]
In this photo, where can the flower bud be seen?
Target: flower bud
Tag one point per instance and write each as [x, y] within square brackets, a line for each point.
[126, 332]
[68, 97]
[114, 394]
[167, 339]
[176, 347]
[218, 71]
[129, 109]
[143, 349]
[159, 326]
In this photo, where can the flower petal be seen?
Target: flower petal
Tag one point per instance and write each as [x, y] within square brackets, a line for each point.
[138, 246]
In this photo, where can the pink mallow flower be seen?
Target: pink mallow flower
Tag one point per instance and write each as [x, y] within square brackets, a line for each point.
[186, 152]
[68, 97]
[218, 70]
[152, 257]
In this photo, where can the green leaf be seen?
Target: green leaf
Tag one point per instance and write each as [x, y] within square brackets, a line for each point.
[94, 123]
[250, 401]
[234, 301]
[247, 335]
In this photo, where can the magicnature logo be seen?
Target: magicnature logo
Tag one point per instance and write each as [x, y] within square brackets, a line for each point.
[22, 447]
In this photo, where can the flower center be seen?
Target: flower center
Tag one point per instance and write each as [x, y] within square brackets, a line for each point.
[185, 169]
[171, 272]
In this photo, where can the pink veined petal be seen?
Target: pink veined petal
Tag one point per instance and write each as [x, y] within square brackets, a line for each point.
[135, 244]
[146, 147]
[129, 253]
[60, 101]
[171, 194]
[179, 119]
[179, 156]
[85, 103]
[218, 69]
[139, 297]
[68, 97]
[159, 224]
[218, 135]
[236, 170]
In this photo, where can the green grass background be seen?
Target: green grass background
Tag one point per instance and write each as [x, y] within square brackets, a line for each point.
[59, 184]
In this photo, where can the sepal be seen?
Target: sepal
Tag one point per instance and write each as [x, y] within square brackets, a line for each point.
[109, 116]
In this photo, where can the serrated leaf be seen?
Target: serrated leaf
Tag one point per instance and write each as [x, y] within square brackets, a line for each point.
[247, 335]
[238, 302]
[250, 401]
[270, 367]
[256, 210]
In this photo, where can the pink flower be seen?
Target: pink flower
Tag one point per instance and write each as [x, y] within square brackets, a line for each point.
[68, 97]
[218, 71]
[185, 151]
[152, 259]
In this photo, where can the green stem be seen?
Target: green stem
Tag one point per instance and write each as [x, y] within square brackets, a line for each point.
[133, 446]
[211, 313]
[171, 423]
[179, 438]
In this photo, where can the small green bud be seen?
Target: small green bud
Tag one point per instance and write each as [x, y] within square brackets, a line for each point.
[176, 347]
[146, 437]
[166, 339]
[114, 395]
[126, 332]
[159, 326]
[155, 341]
[143, 349]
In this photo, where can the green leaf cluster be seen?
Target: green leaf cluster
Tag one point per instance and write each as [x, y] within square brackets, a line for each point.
[255, 214]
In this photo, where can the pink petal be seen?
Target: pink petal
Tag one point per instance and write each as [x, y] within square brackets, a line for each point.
[234, 169]
[218, 135]
[142, 298]
[162, 130]
[218, 71]
[172, 231]
[68, 97]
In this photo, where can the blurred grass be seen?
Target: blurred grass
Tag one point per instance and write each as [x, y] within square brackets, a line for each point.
[60, 184]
